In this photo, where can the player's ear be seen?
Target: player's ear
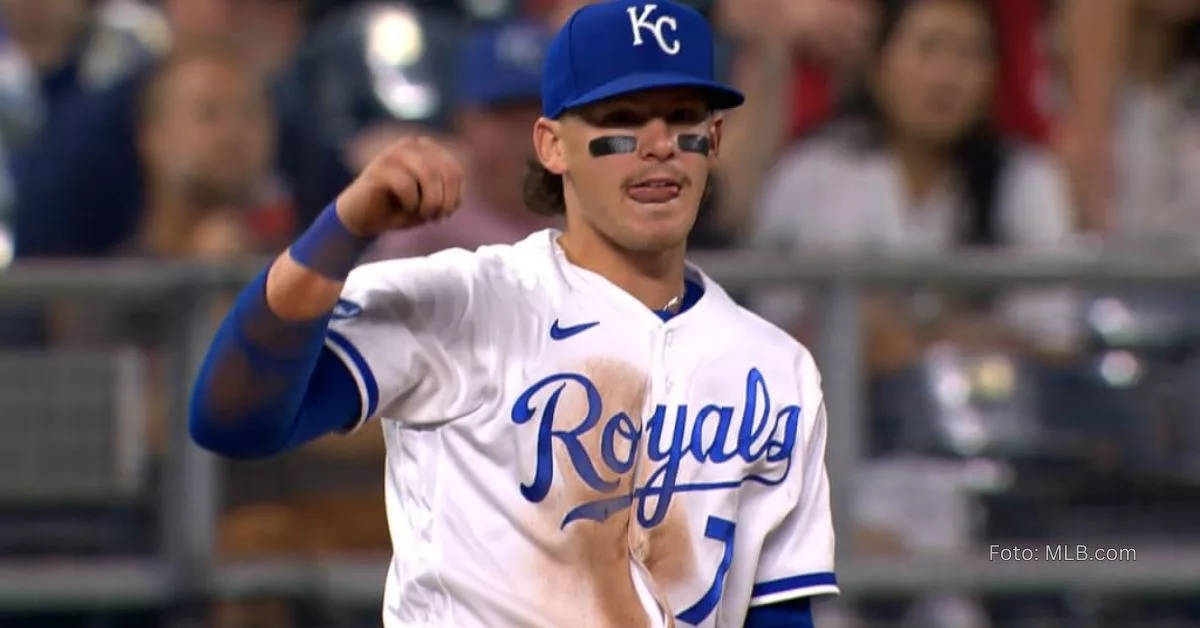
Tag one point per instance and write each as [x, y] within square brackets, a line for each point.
[548, 145]
[715, 131]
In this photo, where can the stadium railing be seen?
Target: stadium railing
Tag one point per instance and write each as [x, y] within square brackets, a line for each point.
[186, 569]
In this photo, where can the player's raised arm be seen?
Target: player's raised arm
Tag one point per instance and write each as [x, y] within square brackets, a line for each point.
[269, 382]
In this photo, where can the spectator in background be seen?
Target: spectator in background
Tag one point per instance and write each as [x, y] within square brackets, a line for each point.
[1157, 131]
[772, 36]
[58, 49]
[204, 136]
[80, 190]
[205, 140]
[268, 31]
[796, 88]
[498, 97]
[54, 51]
[915, 166]
[376, 72]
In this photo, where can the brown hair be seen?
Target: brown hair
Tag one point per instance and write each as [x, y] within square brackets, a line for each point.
[218, 51]
[543, 190]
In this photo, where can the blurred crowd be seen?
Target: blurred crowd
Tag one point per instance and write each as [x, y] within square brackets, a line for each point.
[215, 130]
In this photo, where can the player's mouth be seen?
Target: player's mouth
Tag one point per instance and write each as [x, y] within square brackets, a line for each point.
[655, 190]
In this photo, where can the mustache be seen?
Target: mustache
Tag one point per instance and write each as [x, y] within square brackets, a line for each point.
[661, 170]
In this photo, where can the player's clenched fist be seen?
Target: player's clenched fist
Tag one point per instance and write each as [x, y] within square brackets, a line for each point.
[412, 182]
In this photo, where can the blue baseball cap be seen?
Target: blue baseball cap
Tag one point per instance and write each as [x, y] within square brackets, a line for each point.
[502, 63]
[618, 47]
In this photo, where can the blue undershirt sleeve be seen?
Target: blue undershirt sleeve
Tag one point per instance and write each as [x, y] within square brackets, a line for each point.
[795, 613]
[269, 385]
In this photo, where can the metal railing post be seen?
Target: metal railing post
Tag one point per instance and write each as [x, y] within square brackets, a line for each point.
[839, 351]
[191, 494]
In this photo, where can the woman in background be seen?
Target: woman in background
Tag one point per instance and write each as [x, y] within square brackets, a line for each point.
[913, 165]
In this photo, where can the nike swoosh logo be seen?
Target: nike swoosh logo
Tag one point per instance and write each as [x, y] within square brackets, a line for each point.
[346, 309]
[562, 333]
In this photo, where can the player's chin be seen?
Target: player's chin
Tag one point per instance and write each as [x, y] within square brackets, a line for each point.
[680, 210]
[659, 228]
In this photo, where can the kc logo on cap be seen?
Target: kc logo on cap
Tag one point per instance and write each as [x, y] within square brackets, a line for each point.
[618, 47]
[641, 22]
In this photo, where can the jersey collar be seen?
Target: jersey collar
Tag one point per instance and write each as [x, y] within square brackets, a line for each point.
[581, 280]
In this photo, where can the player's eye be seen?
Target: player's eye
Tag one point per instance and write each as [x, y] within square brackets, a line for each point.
[690, 116]
[621, 118]
[630, 118]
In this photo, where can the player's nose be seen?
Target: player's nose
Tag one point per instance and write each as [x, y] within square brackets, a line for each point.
[656, 141]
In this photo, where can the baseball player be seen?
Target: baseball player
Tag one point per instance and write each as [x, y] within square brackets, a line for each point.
[583, 429]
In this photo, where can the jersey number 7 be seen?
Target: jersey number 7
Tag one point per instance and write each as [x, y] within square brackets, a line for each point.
[722, 531]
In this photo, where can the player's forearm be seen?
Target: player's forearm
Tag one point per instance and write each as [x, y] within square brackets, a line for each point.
[296, 293]
[304, 283]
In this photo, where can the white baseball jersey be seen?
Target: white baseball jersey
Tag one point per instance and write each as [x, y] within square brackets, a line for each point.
[558, 455]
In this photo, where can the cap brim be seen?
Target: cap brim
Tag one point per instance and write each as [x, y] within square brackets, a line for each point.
[718, 95]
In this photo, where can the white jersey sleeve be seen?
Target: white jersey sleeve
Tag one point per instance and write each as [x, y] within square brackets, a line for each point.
[798, 553]
[407, 330]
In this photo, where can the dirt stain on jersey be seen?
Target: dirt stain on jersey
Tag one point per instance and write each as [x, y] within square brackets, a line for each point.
[588, 581]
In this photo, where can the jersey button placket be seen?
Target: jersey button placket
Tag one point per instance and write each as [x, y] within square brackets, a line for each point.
[667, 361]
